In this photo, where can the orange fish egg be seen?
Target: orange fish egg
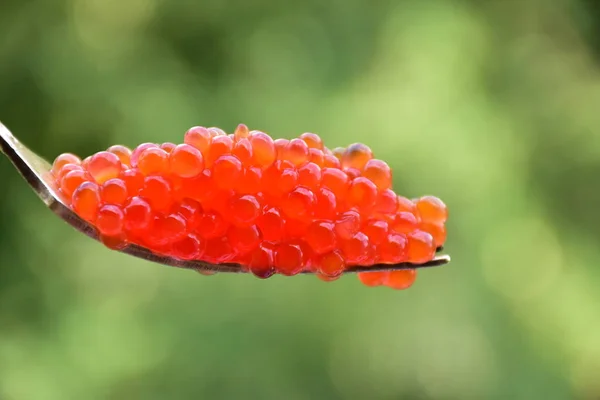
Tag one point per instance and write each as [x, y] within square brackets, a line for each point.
[186, 161]
[312, 140]
[400, 280]
[356, 156]
[331, 264]
[379, 173]
[63, 160]
[86, 201]
[198, 137]
[263, 149]
[122, 152]
[153, 161]
[104, 166]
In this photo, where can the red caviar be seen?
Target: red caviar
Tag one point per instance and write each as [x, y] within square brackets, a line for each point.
[331, 161]
[316, 156]
[137, 215]
[109, 220]
[220, 146]
[72, 180]
[362, 193]
[275, 206]
[86, 200]
[338, 152]
[186, 161]
[295, 151]
[189, 247]
[355, 249]
[244, 239]
[335, 180]
[66, 169]
[400, 279]
[373, 278]
[393, 248]
[133, 179]
[289, 259]
[347, 224]
[114, 191]
[261, 263]
[321, 237]
[421, 247]
[153, 161]
[168, 147]
[376, 230]
[250, 182]
[387, 202]
[309, 176]
[63, 160]
[122, 152]
[379, 173]
[312, 140]
[332, 264]
[404, 222]
[431, 209]
[437, 231]
[104, 166]
[157, 192]
[356, 156]
[198, 137]
[325, 204]
[271, 224]
[245, 210]
[212, 225]
[263, 149]
[227, 170]
[299, 203]
[241, 132]
[243, 151]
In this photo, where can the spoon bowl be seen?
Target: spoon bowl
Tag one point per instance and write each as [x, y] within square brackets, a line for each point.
[36, 171]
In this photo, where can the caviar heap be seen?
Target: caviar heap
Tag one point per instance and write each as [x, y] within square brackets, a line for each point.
[273, 206]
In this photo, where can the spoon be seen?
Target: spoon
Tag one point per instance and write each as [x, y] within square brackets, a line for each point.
[36, 171]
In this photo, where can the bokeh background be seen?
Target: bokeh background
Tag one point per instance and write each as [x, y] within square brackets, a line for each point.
[491, 105]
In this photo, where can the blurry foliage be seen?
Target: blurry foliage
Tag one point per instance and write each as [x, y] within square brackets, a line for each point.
[491, 105]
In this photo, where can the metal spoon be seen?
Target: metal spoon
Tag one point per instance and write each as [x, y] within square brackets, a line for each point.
[36, 172]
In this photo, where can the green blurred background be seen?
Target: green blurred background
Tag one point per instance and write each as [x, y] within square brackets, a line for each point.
[490, 105]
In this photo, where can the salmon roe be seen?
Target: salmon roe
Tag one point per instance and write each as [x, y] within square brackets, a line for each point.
[104, 166]
[312, 140]
[186, 161]
[198, 137]
[241, 132]
[263, 149]
[295, 151]
[66, 169]
[261, 262]
[283, 206]
[122, 152]
[379, 173]
[63, 160]
[153, 161]
[226, 171]
[86, 200]
[137, 215]
[109, 220]
[400, 279]
[356, 156]
[332, 264]
[114, 191]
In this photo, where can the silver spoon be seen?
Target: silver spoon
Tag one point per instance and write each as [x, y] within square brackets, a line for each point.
[36, 172]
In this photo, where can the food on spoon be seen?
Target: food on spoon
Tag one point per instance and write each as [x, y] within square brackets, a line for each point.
[273, 206]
